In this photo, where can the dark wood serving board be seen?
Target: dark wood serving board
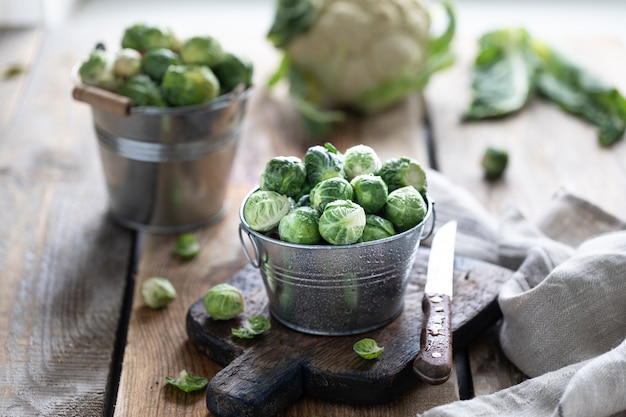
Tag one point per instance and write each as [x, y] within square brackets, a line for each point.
[263, 376]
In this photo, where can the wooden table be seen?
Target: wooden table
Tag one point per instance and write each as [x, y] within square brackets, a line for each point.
[77, 340]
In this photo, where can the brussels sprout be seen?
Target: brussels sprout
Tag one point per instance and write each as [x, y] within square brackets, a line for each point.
[342, 222]
[127, 62]
[376, 228]
[360, 159]
[322, 163]
[156, 61]
[223, 302]
[332, 189]
[97, 70]
[232, 71]
[300, 225]
[142, 91]
[264, 209]
[405, 208]
[202, 50]
[400, 172]
[285, 175]
[370, 191]
[494, 162]
[157, 292]
[185, 85]
[187, 246]
[143, 38]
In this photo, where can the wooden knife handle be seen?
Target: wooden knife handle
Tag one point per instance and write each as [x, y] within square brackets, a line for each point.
[434, 361]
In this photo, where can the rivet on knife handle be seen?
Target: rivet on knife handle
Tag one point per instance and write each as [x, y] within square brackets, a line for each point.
[434, 362]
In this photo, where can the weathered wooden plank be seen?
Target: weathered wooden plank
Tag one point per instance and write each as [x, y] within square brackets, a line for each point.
[548, 149]
[64, 265]
[18, 49]
[490, 369]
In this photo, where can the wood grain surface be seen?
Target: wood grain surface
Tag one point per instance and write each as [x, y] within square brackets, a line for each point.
[66, 270]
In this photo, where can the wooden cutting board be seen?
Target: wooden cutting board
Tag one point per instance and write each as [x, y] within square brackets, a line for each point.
[263, 376]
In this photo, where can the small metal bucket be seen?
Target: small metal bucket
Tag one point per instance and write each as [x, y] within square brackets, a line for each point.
[335, 290]
[166, 169]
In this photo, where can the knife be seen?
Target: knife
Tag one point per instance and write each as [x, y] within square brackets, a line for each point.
[434, 361]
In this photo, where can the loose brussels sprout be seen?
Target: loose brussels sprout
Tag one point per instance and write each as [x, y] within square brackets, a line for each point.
[376, 228]
[342, 222]
[254, 326]
[405, 208]
[156, 61]
[494, 162]
[223, 302]
[142, 91]
[127, 62]
[360, 159]
[157, 292]
[202, 50]
[300, 225]
[97, 70]
[187, 382]
[185, 85]
[322, 163]
[264, 209]
[187, 246]
[232, 71]
[370, 191]
[332, 189]
[400, 172]
[143, 38]
[285, 175]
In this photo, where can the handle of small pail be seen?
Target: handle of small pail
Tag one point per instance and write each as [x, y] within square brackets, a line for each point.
[432, 222]
[257, 260]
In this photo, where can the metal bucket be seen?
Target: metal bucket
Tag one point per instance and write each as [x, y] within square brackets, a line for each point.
[166, 169]
[335, 290]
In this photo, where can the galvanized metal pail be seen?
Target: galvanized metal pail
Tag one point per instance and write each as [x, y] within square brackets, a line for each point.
[335, 290]
[167, 169]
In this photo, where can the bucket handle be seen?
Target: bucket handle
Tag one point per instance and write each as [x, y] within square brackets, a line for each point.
[255, 261]
[432, 223]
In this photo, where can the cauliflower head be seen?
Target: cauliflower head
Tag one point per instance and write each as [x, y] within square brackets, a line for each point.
[359, 54]
[355, 46]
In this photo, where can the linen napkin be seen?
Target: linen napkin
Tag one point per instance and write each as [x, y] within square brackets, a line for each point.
[564, 309]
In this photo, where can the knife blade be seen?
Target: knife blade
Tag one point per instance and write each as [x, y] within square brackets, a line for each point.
[433, 363]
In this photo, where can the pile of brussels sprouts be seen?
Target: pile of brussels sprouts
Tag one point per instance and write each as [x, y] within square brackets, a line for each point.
[337, 199]
[155, 68]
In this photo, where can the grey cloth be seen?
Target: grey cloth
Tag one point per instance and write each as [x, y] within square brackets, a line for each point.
[564, 309]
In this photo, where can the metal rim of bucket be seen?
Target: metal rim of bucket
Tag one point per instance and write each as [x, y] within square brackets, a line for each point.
[256, 238]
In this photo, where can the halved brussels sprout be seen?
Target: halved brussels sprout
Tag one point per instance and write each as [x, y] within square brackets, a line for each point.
[330, 190]
[376, 228]
[405, 208]
[359, 160]
[370, 191]
[403, 171]
[322, 163]
[285, 175]
[264, 209]
[342, 222]
[300, 225]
